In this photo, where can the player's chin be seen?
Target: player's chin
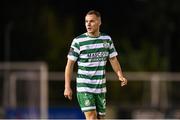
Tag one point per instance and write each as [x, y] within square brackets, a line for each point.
[89, 31]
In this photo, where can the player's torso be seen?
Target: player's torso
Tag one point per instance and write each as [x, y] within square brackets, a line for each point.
[91, 64]
[94, 51]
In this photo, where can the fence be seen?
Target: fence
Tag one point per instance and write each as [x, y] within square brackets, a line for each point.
[51, 87]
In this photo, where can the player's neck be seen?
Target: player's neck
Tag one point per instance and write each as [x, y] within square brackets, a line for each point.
[95, 34]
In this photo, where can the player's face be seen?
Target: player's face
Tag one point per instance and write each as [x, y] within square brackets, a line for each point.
[92, 23]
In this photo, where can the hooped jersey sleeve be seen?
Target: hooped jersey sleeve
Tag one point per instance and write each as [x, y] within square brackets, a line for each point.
[74, 50]
[112, 50]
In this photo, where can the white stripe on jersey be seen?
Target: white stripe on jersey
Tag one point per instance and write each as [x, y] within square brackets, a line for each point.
[91, 90]
[92, 64]
[105, 37]
[91, 73]
[76, 49]
[73, 58]
[113, 54]
[83, 56]
[83, 39]
[83, 80]
[91, 46]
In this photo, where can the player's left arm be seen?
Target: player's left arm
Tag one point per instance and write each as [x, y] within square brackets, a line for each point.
[117, 69]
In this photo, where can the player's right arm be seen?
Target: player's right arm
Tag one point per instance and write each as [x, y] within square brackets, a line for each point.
[68, 77]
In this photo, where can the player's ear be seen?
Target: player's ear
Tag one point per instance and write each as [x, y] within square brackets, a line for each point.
[99, 19]
[99, 22]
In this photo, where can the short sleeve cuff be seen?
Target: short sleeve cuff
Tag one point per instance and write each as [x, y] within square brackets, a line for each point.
[113, 54]
[72, 58]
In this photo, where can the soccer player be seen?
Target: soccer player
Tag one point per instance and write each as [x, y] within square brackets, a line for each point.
[91, 51]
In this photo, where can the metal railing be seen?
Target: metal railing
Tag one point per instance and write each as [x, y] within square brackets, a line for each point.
[153, 77]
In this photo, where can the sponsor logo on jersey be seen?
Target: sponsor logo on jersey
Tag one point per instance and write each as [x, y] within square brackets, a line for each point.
[98, 55]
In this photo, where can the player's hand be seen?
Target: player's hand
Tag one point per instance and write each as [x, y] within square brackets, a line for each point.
[123, 81]
[68, 93]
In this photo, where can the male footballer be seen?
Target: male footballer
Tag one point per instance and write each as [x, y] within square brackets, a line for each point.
[91, 50]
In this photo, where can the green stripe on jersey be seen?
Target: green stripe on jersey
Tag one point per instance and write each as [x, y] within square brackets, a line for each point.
[76, 46]
[93, 41]
[92, 68]
[85, 60]
[95, 77]
[111, 50]
[91, 85]
[94, 50]
[74, 53]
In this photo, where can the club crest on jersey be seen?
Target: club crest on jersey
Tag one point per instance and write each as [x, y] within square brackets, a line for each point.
[105, 44]
[87, 103]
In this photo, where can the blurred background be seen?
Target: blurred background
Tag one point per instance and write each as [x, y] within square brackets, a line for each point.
[35, 36]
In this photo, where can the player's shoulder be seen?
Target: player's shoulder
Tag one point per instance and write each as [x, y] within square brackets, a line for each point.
[106, 36]
[78, 38]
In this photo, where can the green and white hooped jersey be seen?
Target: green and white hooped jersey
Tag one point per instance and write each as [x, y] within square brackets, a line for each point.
[91, 54]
